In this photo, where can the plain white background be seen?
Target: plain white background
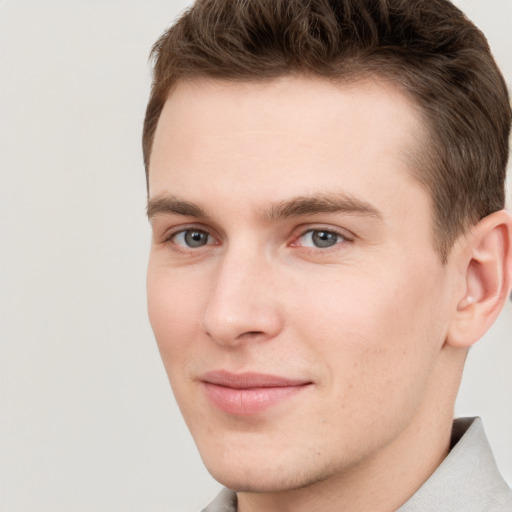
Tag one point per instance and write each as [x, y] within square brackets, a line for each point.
[88, 422]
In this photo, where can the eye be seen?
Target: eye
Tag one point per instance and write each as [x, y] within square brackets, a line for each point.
[192, 238]
[320, 238]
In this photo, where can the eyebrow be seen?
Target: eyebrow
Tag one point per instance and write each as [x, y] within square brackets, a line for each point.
[161, 205]
[294, 207]
[322, 203]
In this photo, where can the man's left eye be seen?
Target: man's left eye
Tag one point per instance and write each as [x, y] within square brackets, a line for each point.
[320, 238]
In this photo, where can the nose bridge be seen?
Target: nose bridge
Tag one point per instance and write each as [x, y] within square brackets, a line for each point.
[242, 303]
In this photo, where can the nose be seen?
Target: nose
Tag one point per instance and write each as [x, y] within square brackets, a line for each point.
[243, 303]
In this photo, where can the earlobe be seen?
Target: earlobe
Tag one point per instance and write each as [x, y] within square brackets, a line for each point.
[487, 264]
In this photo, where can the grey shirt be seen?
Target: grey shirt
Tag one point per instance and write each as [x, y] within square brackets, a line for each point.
[466, 481]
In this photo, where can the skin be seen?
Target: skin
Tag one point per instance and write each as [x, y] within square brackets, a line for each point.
[365, 321]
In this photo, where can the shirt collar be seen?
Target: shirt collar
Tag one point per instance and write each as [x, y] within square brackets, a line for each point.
[468, 478]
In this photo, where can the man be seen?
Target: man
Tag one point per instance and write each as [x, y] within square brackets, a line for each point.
[326, 193]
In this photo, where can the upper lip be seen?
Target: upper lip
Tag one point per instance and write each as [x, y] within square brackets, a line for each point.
[249, 380]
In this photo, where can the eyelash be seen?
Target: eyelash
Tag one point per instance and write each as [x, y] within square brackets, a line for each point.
[170, 236]
[342, 236]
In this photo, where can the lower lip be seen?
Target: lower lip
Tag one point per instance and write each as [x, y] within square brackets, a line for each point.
[246, 402]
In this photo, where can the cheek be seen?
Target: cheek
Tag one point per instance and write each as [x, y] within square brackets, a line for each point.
[174, 313]
[173, 306]
[379, 336]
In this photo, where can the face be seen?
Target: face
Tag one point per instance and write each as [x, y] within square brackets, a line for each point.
[293, 288]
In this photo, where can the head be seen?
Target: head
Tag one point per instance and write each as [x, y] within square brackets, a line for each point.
[326, 184]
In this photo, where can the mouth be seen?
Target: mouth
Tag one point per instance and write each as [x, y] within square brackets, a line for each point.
[247, 394]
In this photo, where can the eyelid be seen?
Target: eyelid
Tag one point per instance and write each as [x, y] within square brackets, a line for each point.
[304, 229]
[169, 234]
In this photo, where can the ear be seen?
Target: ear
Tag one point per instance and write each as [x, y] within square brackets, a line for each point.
[486, 262]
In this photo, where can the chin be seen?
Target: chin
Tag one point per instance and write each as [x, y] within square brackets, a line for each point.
[257, 483]
[265, 479]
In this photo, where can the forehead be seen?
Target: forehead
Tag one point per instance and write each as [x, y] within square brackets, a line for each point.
[285, 136]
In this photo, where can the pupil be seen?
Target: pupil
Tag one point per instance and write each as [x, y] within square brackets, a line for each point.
[324, 238]
[196, 238]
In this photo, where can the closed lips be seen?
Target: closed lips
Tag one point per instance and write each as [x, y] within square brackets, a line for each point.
[249, 393]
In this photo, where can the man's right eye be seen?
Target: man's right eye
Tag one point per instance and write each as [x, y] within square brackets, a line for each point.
[191, 238]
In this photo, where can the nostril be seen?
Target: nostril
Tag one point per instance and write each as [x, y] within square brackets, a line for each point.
[251, 335]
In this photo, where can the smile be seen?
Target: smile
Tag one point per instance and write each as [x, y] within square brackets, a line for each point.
[249, 393]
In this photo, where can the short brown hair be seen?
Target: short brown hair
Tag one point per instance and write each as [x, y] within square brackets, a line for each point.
[428, 47]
